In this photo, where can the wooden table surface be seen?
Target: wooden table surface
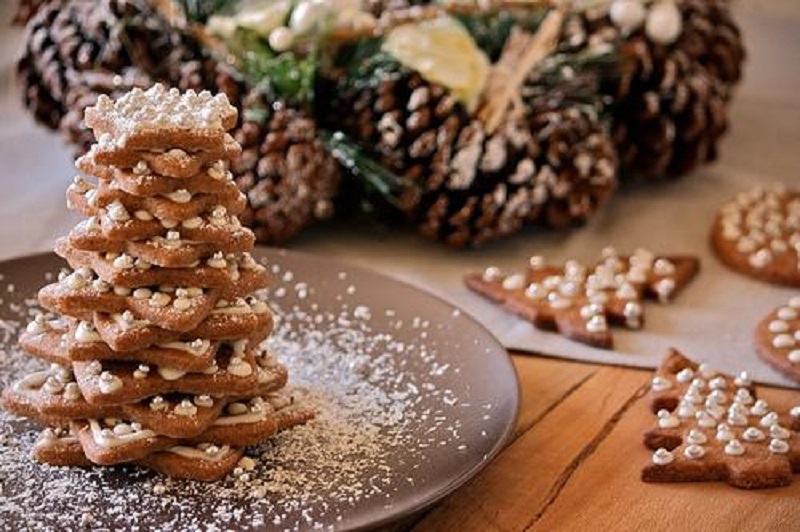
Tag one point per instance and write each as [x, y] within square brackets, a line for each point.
[575, 460]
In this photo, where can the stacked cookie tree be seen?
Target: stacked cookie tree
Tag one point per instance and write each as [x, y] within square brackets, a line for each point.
[155, 351]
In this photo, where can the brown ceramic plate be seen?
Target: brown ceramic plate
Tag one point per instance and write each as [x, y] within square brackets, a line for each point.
[415, 398]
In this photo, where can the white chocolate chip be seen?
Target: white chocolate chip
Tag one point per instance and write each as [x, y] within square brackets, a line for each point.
[123, 262]
[514, 282]
[143, 215]
[768, 419]
[752, 434]
[760, 259]
[783, 341]
[117, 212]
[597, 324]
[182, 303]
[734, 448]
[777, 446]
[660, 384]
[192, 223]
[705, 420]
[781, 433]
[685, 375]
[760, 408]
[724, 433]
[109, 383]
[778, 326]
[662, 457]
[694, 452]
[667, 420]
[179, 196]
[696, 437]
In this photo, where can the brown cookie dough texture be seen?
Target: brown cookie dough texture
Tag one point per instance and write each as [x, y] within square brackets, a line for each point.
[582, 301]
[758, 234]
[710, 426]
[778, 338]
[154, 335]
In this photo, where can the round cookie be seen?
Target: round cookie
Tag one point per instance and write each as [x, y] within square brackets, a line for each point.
[758, 234]
[778, 339]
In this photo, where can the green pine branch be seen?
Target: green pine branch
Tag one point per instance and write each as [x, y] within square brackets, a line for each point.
[369, 172]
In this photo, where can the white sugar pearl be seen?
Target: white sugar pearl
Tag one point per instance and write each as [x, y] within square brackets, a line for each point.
[597, 324]
[305, 16]
[663, 24]
[281, 39]
[627, 15]
[514, 282]
[490, 275]
[660, 384]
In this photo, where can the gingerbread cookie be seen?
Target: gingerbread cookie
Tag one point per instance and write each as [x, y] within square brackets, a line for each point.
[155, 337]
[218, 271]
[144, 182]
[158, 117]
[174, 163]
[57, 343]
[580, 301]
[710, 426]
[181, 309]
[778, 339]
[758, 234]
[178, 205]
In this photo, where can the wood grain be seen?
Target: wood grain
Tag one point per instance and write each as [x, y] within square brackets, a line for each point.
[575, 462]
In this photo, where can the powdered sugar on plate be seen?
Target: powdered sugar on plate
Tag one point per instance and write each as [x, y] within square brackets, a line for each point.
[391, 413]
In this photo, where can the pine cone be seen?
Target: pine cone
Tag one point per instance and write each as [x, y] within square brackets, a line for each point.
[552, 165]
[66, 37]
[26, 9]
[671, 101]
[289, 177]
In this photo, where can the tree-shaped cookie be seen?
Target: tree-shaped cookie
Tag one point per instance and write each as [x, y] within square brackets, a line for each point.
[710, 426]
[581, 301]
[155, 334]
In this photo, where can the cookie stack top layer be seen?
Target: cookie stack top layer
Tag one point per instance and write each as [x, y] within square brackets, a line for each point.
[155, 346]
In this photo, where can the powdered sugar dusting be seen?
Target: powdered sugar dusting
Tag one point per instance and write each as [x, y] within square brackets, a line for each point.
[391, 411]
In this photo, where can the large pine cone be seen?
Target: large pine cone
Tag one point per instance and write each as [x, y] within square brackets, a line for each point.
[79, 49]
[26, 9]
[670, 102]
[289, 177]
[552, 165]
